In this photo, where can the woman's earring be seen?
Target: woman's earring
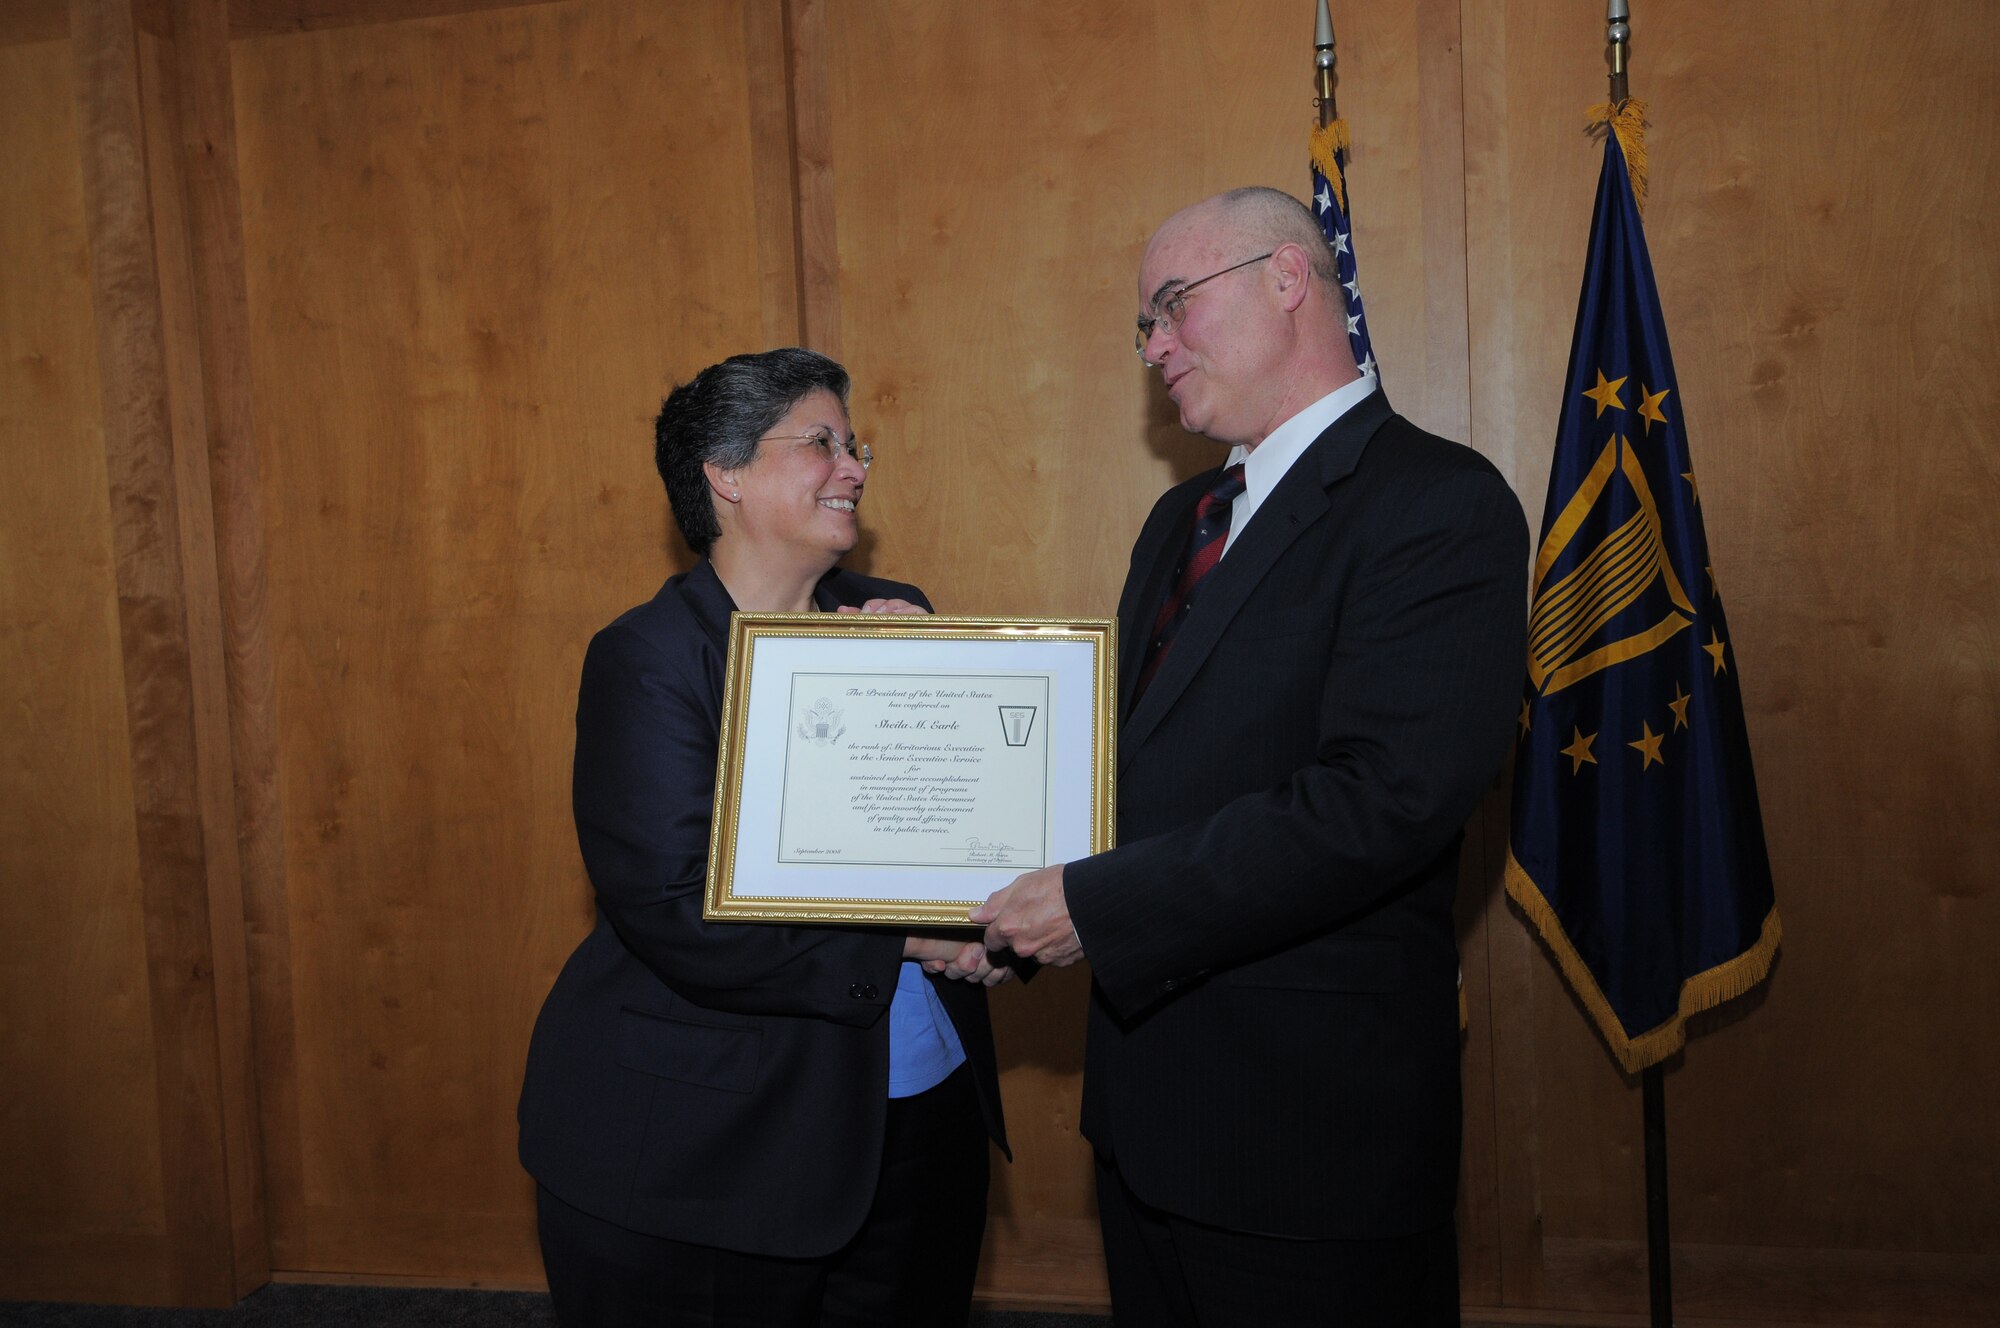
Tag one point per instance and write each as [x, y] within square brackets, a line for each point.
[736, 495]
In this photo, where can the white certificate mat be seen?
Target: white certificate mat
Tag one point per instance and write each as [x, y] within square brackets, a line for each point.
[901, 768]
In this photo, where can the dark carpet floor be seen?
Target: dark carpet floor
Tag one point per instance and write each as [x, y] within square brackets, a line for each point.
[294, 1305]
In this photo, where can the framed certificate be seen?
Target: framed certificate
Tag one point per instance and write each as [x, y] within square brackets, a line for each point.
[886, 768]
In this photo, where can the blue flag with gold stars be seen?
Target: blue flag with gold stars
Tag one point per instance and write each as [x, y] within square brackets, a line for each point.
[1636, 844]
[1328, 151]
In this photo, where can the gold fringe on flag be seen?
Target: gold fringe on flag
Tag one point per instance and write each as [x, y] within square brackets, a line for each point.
[1627, 120]
[1328, 141]
[1725, 981]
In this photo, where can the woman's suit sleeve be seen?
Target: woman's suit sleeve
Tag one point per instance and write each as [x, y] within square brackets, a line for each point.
[646, 735]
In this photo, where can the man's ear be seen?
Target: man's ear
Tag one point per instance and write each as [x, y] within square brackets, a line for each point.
[1294, 272]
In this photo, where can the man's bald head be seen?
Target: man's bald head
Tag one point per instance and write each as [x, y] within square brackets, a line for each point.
[1265, 220]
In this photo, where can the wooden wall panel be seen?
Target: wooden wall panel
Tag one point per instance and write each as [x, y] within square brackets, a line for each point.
[168, 614]
[100, 247]
[480, 248]
[220, 1077]
[996, 171]
[199, 138]
[34, 21]
[80, 1196]
[1828, 281]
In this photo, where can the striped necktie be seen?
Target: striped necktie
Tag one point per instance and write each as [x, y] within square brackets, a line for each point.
[1203, 552]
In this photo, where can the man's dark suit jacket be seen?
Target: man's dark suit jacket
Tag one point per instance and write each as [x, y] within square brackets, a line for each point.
[1273, 1038]
[723, 1084]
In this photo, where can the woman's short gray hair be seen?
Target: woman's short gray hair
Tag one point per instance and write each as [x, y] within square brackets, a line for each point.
[719, 414]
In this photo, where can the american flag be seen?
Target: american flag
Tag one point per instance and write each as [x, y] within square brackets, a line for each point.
[1329, 204]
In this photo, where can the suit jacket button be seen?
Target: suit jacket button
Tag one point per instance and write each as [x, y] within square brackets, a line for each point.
[862, 991]
[1171, 984]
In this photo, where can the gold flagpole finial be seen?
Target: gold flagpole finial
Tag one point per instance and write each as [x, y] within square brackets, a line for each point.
[1323, 64]
[1624, 114]
[1618, 20]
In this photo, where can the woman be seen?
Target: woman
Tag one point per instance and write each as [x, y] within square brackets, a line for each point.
[738, 1123]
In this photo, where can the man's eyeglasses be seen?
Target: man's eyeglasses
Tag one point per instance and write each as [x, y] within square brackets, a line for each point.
[829, 445]
[1170, 306]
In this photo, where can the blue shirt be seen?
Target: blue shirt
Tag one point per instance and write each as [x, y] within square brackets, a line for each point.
[923, 1046]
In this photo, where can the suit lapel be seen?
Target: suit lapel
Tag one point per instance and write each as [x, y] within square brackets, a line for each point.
[1147, 592]
[1300, 499]
[709, 600]
[830, 593]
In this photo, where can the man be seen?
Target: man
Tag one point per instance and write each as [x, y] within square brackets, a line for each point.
[1271, 1078]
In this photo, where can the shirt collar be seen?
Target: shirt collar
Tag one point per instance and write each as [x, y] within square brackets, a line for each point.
[1272, 458]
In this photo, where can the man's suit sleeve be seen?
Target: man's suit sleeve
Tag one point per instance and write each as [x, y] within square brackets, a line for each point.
[643, 788]
[1414, 718]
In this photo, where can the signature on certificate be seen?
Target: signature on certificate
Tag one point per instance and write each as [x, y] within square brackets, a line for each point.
[978, 850]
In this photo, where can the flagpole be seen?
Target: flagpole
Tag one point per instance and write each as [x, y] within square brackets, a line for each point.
[1328, 151]
[1323, 62]
[1659, 1242]
[1652, 1079]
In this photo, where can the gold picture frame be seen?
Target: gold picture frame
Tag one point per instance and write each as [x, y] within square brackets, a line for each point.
[897, 769]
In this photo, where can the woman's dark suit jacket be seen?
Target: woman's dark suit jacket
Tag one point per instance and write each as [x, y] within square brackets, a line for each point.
[723, 1083]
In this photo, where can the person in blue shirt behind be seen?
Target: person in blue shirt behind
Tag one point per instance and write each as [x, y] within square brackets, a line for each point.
[736, 1123]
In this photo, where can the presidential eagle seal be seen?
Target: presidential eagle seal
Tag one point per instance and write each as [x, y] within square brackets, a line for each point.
[820, 725]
